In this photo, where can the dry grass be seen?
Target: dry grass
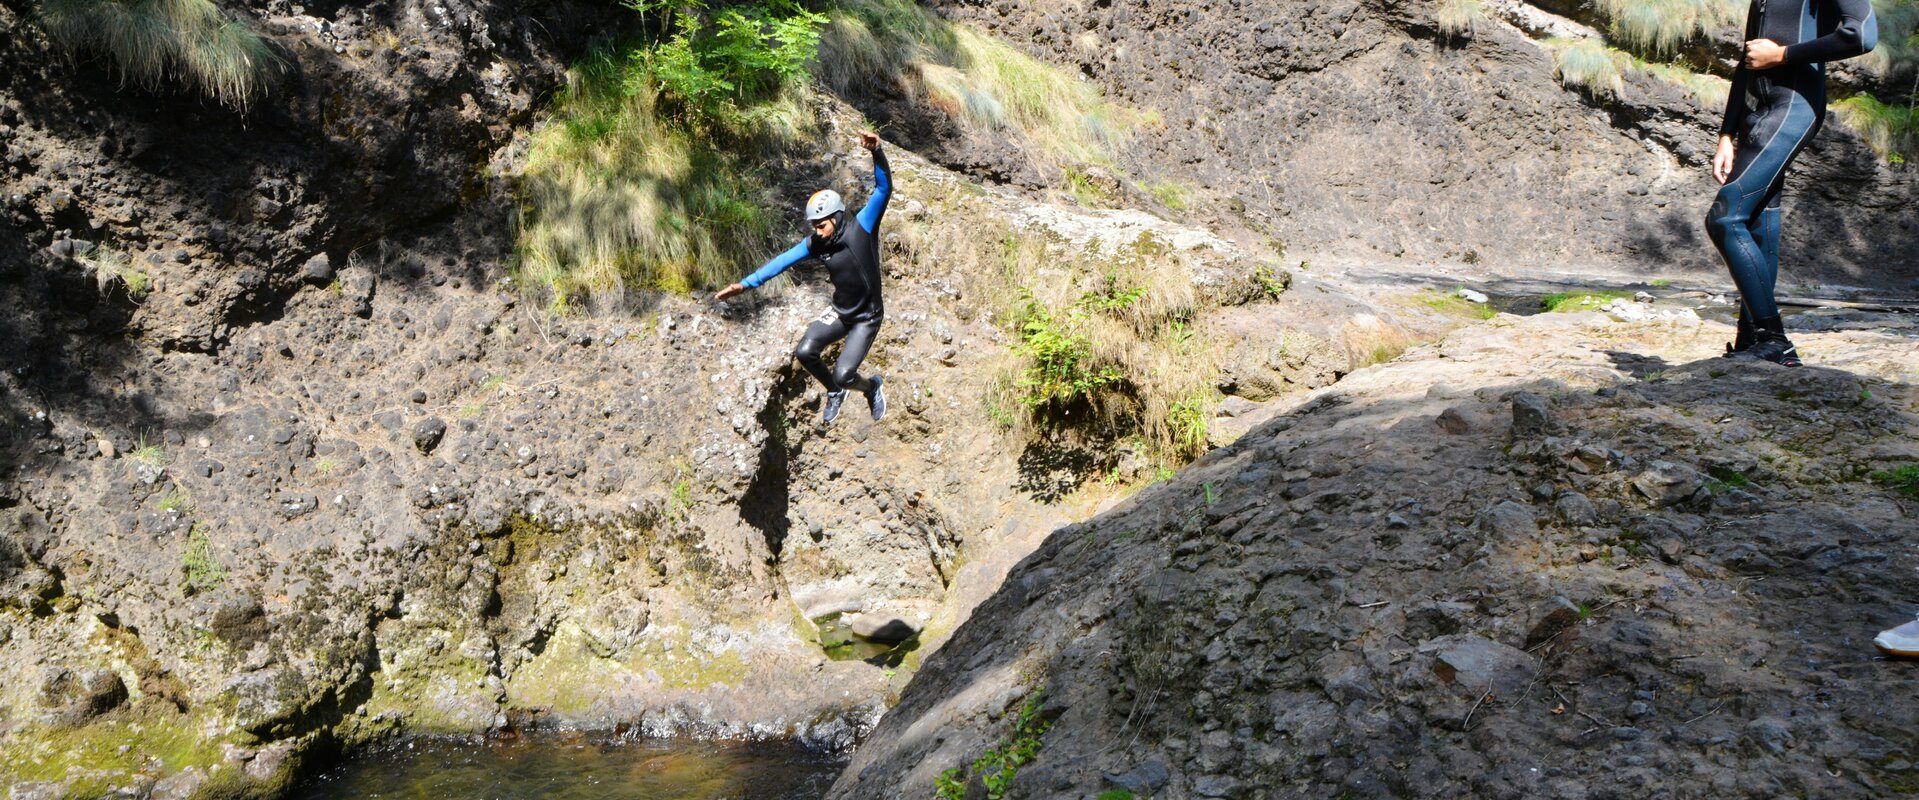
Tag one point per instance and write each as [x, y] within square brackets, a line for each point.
[1589, 65]
[1457, 17]
[112, 267]
[153, 41]
[1369, 340]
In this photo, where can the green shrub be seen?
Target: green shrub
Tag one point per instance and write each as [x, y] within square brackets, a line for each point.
[999, 765]
[1904, 479]
[1060, 372]
[153, 41]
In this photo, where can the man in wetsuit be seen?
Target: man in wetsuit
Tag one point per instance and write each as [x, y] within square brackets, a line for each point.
[851, 254]
[1777, 103]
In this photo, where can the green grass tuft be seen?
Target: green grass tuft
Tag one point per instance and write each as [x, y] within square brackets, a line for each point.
[1579, 300]
[153, 41]
[200, 566]
[1904, 479]
[1890, 130]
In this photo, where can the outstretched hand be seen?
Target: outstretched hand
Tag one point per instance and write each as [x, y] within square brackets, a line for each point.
[869, 140]
[731, 291]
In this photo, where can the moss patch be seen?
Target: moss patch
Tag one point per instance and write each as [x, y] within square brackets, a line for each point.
[111, 751]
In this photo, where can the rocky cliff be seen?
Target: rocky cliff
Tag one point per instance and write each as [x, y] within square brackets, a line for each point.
[293, 465]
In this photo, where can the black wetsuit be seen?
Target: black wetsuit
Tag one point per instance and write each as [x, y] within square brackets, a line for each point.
[852, 259]
[1771, 115]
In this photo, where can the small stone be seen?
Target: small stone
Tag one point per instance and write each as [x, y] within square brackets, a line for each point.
[1638, 709]
[1574, 509]
[427, 433]
[1558, 616]
[317, 270]
[107, 450]
[1144, 780]
[882, 628]
[1667, 483]
[1531, 417]
[1471, 296]
[1508, 520]
[1453, 421]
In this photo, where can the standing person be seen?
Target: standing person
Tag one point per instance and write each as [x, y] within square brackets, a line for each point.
[1777, 103]
[851, 254]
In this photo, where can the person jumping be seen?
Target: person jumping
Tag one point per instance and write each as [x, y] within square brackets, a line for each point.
[1778, 102]
[851, 254]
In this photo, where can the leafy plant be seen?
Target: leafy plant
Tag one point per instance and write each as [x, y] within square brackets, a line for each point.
[999, 765]
[1904, 479]
[1060, 367]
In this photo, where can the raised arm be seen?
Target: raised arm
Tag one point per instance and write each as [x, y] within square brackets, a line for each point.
[869, 216]
[1857, 34]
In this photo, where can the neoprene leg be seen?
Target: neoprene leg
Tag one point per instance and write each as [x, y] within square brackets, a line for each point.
[858, 341]
[818, 335]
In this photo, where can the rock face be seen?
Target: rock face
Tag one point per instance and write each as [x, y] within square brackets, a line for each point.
[1350, 600]
[1356, 130]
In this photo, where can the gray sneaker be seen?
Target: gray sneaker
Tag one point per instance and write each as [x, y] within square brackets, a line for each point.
[877, 398]
[1900, 641]
[832, 410]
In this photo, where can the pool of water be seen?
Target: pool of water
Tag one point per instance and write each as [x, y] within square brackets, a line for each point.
[578, 766]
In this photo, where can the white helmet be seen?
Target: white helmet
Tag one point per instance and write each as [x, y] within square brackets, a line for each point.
[824, 203]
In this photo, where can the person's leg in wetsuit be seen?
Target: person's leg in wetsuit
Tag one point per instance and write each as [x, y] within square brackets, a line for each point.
[1777, 103]
[1745, 217]
[858, 336]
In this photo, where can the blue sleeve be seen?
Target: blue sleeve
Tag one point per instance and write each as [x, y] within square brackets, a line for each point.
[882, 191]
[777, 265]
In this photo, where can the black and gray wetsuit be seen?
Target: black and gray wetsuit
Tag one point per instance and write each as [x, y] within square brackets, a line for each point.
[852, 259]
[1771, 115]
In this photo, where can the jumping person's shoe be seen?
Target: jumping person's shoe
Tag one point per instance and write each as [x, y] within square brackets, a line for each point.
[1743, 340]
[1900, 641]
[877, 399]
[1771, 344]
[832, 409]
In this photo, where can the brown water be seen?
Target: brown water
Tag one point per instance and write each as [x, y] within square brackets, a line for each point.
[572, 766]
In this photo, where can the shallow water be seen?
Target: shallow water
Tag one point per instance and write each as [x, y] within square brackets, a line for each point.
[573, 766]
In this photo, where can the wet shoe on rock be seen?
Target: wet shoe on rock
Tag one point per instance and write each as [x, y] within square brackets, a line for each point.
[877, 398]
[1900, 641]
[832, 409]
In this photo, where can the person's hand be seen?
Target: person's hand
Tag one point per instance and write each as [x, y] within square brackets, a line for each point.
[1722, 159]
[735, 290]
[1764, 54]
[869, 140]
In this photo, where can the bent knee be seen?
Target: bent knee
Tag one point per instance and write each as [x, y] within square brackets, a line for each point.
[807, 351]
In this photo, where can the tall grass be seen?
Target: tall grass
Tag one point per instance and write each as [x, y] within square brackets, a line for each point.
[979, 81]
[621, 191]
[153, 41]
[1659, 27]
